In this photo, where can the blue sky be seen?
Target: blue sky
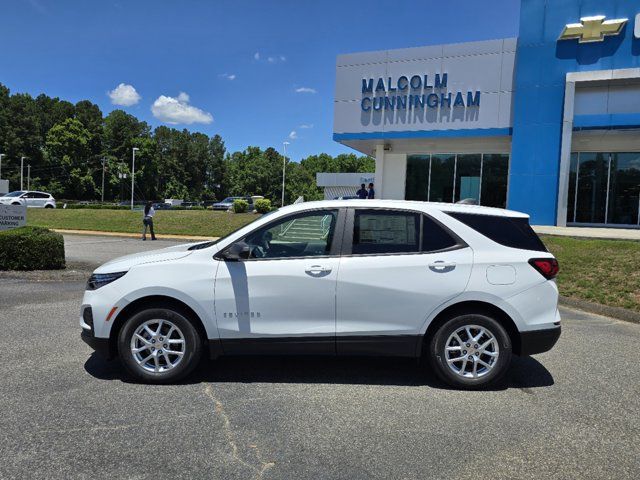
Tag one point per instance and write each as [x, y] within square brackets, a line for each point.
[251, 71]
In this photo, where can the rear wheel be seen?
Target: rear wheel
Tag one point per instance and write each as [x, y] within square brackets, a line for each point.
[48, 206]
[159, 346]
[470, 351]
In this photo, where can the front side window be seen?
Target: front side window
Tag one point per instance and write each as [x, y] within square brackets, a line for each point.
[385, 231]
[304, 235]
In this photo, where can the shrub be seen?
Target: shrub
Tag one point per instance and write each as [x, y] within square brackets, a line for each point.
[240, 206]
[95, 206]
[194, 207]
[31, 248]
[263, 205]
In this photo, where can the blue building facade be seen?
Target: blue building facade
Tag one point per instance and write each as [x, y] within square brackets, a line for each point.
[542, 64]
[553, 128]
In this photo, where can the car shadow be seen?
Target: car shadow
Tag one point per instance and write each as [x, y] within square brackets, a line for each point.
[525, 372]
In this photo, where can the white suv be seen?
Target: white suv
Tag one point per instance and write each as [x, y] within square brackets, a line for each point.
[460, 285]
[29, 198]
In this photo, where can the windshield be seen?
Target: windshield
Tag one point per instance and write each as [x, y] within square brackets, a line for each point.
[200, 246]
[229, 199]
[15, 194]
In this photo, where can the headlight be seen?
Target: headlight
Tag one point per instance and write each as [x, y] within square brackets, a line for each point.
[98, 280]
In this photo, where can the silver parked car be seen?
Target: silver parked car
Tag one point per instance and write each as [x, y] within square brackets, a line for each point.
[29, 198]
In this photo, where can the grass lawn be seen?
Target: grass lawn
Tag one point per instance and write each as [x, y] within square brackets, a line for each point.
[601, 271]
[180, 222]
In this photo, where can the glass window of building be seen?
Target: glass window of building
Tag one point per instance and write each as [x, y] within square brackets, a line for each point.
[495, 177]
[591, 196]
[417, 186]
[468, 169]
[478, 178]
[624, 189]
[571, 196]
[441, 180]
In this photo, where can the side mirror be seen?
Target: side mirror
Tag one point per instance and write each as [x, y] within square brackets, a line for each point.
[237, 251]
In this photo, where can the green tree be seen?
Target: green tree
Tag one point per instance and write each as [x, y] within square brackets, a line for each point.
[68, 146]
[216, 170]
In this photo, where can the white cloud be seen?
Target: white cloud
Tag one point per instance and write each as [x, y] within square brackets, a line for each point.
[306, 90]
[124, 95]
[293, 135]
[270, 58]
[306, 125]
[177, 110]
[228, 76]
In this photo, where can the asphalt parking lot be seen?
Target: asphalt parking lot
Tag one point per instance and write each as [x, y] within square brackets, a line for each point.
[66, 413]
[88, 251]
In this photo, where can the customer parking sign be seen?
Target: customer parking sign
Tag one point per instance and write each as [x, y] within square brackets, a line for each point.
[12, 216]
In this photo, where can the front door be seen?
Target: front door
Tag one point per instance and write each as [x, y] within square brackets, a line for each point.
[282, 299]
[400, 266]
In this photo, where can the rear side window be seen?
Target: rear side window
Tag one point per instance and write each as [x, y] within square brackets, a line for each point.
[507, 231]
[385, 231]
[435, 237]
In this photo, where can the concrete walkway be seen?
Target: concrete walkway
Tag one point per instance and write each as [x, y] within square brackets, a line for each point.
[590, 232]
[195, 238]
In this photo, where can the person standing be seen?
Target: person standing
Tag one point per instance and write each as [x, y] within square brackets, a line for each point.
[371, 194]
[362, 193]
[147, 221]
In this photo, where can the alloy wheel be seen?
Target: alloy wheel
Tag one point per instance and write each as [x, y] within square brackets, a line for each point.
[157, 345]
[472, 351]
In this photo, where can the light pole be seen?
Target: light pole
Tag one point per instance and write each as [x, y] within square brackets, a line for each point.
[133, 172]
[284, 164]
[1, 155]
[22, 172]
[103, 162]
[28, 177]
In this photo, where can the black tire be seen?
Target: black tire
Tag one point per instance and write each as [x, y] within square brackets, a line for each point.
[16, 203]
[193, 346]
[437, 354]
[48, 206]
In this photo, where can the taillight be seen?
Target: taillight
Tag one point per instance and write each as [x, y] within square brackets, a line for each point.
[547, 267]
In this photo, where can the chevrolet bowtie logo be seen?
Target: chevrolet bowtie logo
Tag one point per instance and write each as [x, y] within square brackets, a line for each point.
[592, 29]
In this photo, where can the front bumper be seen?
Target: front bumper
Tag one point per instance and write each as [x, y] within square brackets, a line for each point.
[100, 345]
[538, 341]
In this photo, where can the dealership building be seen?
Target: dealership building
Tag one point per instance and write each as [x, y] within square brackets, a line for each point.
[547, 123]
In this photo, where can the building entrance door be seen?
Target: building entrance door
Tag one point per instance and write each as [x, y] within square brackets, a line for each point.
[604, 189]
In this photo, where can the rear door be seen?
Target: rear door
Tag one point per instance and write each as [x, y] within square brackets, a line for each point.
[38, 199]
[397, 267]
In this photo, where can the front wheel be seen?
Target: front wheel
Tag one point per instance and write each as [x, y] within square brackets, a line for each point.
[470, 351]
[159, 345]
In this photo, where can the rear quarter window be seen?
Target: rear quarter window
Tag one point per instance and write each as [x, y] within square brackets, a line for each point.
[508, 231]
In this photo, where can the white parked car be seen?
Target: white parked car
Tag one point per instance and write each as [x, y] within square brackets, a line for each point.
[29, 198]
[463, 286]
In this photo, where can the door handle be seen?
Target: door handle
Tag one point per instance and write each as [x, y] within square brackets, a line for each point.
[441, 266]
[316, 269]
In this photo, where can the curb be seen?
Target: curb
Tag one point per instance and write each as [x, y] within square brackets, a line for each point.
[605, 310]
[131, 235]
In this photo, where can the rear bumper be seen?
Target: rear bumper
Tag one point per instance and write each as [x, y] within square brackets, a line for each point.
[538, 341]
[100, 345]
